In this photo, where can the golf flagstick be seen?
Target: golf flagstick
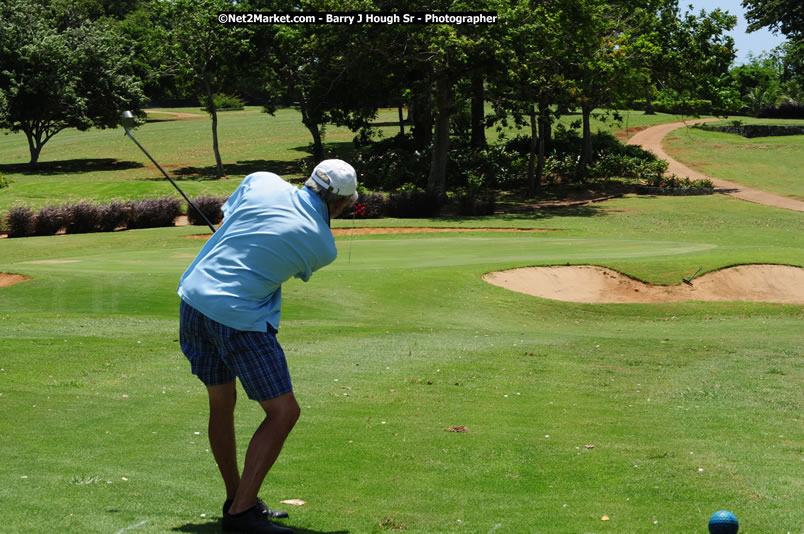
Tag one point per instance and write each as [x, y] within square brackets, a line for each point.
[359, 208]
[126, 120]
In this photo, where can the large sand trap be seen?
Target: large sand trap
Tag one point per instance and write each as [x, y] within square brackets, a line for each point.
[588, 283]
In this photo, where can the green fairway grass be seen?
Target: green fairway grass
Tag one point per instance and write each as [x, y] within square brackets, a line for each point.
[655, 415]
[101, 165]
[772, 164]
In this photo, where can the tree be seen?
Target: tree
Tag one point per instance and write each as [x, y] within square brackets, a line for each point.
[530, 78]
[786, 16]
[757, 83]
[206, 54]
[334, 74]
[789, 60]
[60, 70]
[601, 40]
[657, 60]
[703, 53]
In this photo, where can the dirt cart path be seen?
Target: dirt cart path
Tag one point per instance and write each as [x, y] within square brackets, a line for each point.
[651, 139]
[176, 114]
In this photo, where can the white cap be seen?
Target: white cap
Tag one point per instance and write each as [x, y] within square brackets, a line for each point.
[337, 177]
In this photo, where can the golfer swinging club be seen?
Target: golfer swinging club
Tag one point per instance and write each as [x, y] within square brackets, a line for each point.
[231, 300]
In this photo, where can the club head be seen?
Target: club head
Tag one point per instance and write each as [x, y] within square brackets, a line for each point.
[127, 119]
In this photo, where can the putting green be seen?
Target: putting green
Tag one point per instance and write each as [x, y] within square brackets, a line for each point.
[411, 253]
[399, 253]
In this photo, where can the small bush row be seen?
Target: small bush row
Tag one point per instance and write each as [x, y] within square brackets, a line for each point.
[677, 107]
[786, 110]
[210, 207]
[674, 182]
[84, 217]
[473, 174]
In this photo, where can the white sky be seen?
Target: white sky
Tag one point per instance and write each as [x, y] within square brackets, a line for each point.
[755, 42]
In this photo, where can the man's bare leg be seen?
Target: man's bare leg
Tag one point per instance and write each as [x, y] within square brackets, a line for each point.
[281, 415]
[221, 430]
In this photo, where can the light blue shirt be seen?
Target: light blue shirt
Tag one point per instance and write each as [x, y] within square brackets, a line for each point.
[271, 232]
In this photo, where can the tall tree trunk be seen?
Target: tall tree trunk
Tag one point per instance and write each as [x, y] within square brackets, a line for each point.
[34, 147]
[312, 126]
[38, 134]
[533, 185]
[421, 111]
[437, 180]
[213, 112]
[478, 112]
[586, 151]
[318, 145]
[648, 102]
[544, 136]
[401, 119]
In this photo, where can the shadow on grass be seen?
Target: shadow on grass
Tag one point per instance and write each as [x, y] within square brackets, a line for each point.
[343, 150]
[529, 214]
[71, 166]
[337, 149]
[214, 526]
[552, 212]
[239, 169]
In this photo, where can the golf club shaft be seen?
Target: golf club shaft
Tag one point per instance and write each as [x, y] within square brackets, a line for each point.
[190, 202]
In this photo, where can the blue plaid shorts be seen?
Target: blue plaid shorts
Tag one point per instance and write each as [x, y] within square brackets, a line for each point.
[219, 353]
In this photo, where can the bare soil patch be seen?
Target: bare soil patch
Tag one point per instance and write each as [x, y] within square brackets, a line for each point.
[9, 279]
[593, 284]
[178, 115]
[625, 134]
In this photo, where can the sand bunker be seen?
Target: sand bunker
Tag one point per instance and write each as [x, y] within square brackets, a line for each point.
[8, 279]
[588, 283]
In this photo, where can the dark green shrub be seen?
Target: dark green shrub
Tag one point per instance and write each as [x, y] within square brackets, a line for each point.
[412, 205]
[480, 203]
[388, 164]
[675, 182]
[50, 220]
[154, 212]
[209, 206]
[786, 110]
[20, 222]
[560, 168]
[494, 167]
[519, 144]
[684, 106]
[610, 165]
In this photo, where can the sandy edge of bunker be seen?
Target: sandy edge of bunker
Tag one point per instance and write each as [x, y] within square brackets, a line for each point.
[10, 279]
[593, 284]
